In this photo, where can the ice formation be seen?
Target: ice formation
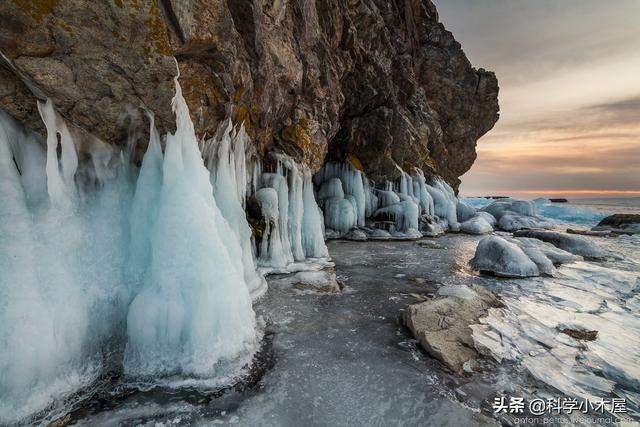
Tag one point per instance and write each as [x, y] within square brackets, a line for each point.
[502, 258]
[352, 184]
[402, 209]
[464, 211]
[476, 225]
[502, 207]
[225, 157]
[291, 214]
[59, 302]
[444, 202]
[193, 314]
[104, 267]
[576, 245]
[312, 222]
[567, 213]
[512, 222]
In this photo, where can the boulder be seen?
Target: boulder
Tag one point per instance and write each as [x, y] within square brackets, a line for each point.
[441, 325]
[620, 223]
[503, 258]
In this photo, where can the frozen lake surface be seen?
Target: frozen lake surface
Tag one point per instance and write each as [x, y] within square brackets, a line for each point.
[346, 359]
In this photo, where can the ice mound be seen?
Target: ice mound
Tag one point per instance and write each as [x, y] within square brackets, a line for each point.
[464, 211]
[512, 222]
[487, 217]
[476, 225]
[532, 329]
[576, 245]
[502, 207]
[502, 258]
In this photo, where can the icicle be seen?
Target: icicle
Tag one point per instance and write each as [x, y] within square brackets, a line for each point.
[144, 208]
[279, 183]
[225, 156]
[272, 252]
[312, 223]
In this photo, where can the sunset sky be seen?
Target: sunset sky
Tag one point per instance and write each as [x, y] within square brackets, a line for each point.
[569, 75]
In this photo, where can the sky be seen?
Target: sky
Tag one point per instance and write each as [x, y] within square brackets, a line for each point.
[569, 76]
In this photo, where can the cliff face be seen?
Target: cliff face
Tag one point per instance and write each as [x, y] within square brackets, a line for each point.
[375, 82]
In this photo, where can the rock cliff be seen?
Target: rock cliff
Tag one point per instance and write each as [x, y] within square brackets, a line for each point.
[374, 82]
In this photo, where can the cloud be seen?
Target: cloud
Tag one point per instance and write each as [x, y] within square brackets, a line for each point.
[569, 93]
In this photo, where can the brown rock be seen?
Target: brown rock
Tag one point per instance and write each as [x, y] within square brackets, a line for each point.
[580, 334]
[442, 324]
[379, 83]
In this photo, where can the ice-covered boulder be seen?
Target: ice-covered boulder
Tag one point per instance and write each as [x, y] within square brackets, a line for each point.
[503, 258]
[487, 217]
[556, 255]
[512, 222]
[535, 254]
[476, 225]
[464, 211]
[574, 244]
[501, 207]
[442, 325]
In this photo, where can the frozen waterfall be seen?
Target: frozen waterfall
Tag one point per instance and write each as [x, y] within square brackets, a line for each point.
[193, 315]
[104, 268]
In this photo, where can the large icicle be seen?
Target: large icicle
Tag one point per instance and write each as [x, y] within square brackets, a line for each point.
[279, 183]
[225, 156]
[312, 222]
[57, 250]
[193, 315]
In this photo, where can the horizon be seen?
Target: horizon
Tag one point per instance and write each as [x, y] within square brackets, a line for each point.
[569, 76]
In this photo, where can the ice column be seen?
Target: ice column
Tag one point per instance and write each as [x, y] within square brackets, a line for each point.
[225, 155]
[193, 315]
[312, 222]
